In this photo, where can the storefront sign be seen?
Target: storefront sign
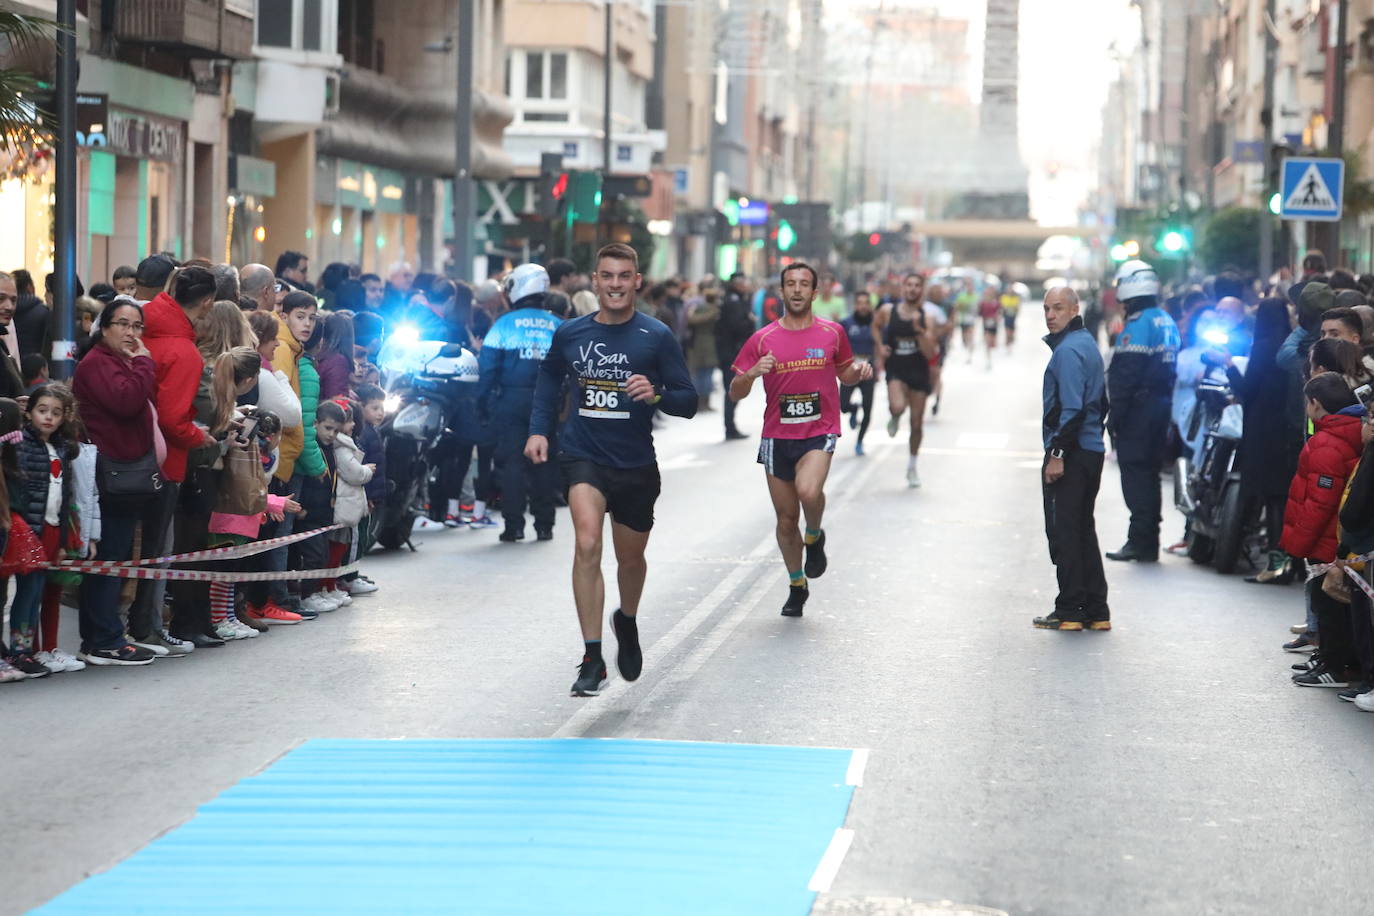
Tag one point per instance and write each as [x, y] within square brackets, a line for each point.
[250, 175]
[146, 137]
[92, 118]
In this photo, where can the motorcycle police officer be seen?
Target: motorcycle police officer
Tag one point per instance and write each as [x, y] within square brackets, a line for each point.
[509, 361]
[1140, 383]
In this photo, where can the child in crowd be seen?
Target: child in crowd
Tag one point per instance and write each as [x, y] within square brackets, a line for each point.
[317, 499]
[242, 507]
[41, 491]
[350, 499]
[1309, 522]
[125, 280]
[373, 402]
[11, 429]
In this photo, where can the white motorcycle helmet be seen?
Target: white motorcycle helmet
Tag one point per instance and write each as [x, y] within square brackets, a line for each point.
[526, 280]
[1135, 279]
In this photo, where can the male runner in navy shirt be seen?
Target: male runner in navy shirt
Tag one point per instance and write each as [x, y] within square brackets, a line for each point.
[625, 364]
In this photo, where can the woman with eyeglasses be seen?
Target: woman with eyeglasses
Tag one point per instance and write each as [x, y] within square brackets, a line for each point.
[114, 382]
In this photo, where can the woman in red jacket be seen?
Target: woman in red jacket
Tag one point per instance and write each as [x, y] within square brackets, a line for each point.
[1309, 523]
[115, 383]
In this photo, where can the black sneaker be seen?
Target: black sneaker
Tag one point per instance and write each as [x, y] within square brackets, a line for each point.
[815, 558]
[1300, 644]
[29, 665]
[1304, 667]
[732, 435]
[629, 659]
[1054, 622]
[796, 600]
[591, 677]
[510, 536]
[124, 655]
[543, 534]
[1320, 677]
[1354, 690]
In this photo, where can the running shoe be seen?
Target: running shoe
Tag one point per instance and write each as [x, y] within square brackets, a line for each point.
[318, 604]
[591, 677]
[338, 596]
[1320, 677]
[1300, 644]
[796, 600]
[859, 449]
[272, 616]
[1350, 693]
[453, 521]
[629, 659]
[485, 521]
[58, 661]
[892, 423]
[124, 655]
[361, 586]
[853, 418]
[913, 480]
[154, 645]
[1365, 702]
[10, 674]
[1054, 623]
[815, 558]
[31, 666]
[175, 647]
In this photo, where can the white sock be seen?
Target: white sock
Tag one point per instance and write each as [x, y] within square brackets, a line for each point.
[479, 509]
[911, 463]
[453, 508]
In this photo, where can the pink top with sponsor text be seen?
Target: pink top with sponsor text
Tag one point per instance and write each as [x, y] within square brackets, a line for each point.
[802, 391]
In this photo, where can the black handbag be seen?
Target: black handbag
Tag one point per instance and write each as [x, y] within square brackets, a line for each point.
[140, 477]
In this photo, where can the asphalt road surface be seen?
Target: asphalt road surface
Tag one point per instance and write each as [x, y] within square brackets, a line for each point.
[1168, 766]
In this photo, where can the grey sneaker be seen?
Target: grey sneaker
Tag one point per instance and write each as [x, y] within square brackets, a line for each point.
[153, 644]
[176, 647]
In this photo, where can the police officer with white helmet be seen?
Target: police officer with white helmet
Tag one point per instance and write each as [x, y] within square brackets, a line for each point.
[1140, 383]
[510, 359]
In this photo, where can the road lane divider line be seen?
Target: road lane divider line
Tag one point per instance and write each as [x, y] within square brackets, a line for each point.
[580, 721]
[829, 867]
[854, 776]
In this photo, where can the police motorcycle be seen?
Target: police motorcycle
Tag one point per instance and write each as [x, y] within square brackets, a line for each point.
[425, 381]
[1222, 528]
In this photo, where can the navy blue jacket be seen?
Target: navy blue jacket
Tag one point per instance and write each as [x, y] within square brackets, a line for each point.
[606, 426]
[511, 354]
[1075, 393]
[860, 335]
[374, 452]
[1144, 362]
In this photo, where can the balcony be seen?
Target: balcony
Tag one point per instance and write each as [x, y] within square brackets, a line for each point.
[193, 28]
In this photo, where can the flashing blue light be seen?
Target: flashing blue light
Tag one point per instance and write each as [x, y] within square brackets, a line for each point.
[406, 334]
[1216, 336]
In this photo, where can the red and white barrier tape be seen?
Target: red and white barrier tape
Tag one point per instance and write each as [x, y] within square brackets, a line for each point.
[209, 575]
[237, 552]
[1315, 570]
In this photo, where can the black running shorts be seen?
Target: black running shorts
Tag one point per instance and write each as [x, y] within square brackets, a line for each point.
[779, 457]
[630, 493]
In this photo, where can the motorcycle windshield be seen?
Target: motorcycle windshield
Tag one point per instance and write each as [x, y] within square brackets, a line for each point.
[404, 356]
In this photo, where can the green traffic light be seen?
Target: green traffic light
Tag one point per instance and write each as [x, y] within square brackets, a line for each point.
[787, 236]
[1276, 203]
[1173, 241]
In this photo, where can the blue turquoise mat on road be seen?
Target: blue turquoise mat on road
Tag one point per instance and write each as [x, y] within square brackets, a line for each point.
[573, 826]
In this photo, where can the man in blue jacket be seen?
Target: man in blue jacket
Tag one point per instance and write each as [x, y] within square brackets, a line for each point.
[1140, 386]
[509, 363]
[1074, 401]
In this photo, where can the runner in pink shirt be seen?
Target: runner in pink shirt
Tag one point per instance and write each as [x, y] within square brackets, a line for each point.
[802, 360]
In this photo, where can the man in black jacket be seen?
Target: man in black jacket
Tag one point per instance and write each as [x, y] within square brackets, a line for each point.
[11, 384]
[733, 330]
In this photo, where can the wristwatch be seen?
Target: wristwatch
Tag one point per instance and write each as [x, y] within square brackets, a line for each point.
[1057, 454]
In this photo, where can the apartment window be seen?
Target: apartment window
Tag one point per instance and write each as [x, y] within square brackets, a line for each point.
[358, 36]
[274, 25]
[313, 17]
[538, 83]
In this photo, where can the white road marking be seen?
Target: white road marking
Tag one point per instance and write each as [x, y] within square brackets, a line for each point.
[825, 873]
[857, 763]
[981, 440]
[979, 452]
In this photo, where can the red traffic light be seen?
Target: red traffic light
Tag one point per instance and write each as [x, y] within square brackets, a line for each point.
[875, 238]
[560, 187]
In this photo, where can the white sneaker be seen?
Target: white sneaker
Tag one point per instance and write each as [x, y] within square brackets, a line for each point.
[893, 422]
[360, 586]
[247, 631]
[228, 629]
[913, 480]
[343, 598]
[1365, 701]
[319, 604]
[57, 660]
[332, 597]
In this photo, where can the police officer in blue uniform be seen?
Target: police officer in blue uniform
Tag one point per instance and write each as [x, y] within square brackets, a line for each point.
[1140, 382]
[509, 360]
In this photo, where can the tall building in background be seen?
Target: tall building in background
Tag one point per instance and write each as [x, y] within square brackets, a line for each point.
[1003, 182]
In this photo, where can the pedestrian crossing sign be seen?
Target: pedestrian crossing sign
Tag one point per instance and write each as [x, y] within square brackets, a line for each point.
[1312, 188]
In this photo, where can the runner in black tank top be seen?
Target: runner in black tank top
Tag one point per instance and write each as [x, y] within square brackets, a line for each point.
[907, 345]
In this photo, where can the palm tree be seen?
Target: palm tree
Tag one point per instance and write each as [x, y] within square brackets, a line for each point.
[19, 118]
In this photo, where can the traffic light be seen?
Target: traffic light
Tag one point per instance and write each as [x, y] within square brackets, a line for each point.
[1174, 240]
[553, 183]
[584, 197]
[875, 240]
[787, 236]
